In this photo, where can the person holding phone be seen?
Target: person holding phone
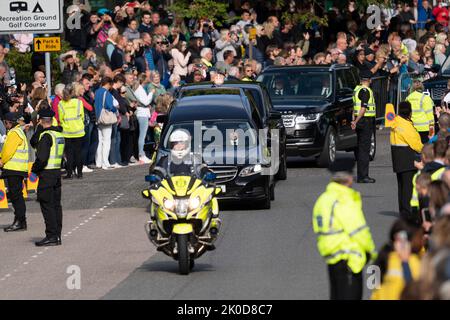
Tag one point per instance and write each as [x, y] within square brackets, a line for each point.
[398, 261]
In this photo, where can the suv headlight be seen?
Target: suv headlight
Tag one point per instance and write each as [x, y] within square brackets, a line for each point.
[305, 118]
[250, 170]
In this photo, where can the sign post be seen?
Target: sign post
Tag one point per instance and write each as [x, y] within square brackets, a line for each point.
[48, 72]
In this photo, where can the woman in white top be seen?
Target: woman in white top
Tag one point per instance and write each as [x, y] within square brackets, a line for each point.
[180, 59]
[143, 115]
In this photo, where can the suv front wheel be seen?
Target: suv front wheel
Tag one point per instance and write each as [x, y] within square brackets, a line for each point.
[328, 155]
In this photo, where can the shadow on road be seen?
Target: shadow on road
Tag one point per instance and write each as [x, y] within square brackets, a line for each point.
[172, 267]
[389, 214]
[342, 162]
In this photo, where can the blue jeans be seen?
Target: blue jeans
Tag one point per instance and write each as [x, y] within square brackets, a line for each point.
[114, 153]
[143, 128]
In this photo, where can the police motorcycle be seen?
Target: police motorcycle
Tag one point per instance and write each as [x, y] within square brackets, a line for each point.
[184, 213]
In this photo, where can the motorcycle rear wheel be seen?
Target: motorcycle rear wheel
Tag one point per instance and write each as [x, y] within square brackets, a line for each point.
[183, 254]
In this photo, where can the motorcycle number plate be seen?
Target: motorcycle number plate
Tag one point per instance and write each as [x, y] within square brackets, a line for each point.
[223, 188]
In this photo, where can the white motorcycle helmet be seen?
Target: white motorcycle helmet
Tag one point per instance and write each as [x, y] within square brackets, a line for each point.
[180, 144]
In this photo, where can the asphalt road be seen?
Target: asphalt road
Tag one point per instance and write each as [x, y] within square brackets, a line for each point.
[261, 254]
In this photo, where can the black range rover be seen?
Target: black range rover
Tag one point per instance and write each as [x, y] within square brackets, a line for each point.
[317, 106]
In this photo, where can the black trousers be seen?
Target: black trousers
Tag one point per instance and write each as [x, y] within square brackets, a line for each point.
[364, 132]
[344, 284]
[74, 155]
[424, 136]
[15, 186]
[49, 197]
[405, 188]
[126, 146]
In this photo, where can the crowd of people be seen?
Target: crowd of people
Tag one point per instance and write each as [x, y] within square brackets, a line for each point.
[127, 63]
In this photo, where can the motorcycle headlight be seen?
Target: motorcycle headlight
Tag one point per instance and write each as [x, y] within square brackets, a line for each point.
[305, 118]
[182, 207]
[168, 204]
[250, 170]
[194, 203]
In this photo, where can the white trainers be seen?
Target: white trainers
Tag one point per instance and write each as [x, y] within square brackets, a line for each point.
[106, 168]
[144, 160]
[86, 169]
[133, 159]
[116, 166]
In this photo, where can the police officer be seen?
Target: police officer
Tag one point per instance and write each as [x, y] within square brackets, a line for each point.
[422, 111]
[14, 161]
[181, 160]
[343, 237]
[47, 167]
[363, 122]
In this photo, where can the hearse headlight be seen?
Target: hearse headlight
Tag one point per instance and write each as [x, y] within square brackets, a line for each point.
[250, 170]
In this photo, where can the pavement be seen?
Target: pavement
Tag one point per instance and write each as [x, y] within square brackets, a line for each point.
[261, 254]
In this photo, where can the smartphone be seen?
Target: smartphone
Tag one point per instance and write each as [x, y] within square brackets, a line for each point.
[402, 237]
[426, 216]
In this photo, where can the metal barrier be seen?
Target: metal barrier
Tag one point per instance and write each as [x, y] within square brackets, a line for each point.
[404, 84]
[380, 88]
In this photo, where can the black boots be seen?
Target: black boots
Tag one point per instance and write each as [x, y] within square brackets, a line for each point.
[17, 226]
[52, 241]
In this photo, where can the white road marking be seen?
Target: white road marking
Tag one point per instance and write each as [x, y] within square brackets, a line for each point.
[65, 235]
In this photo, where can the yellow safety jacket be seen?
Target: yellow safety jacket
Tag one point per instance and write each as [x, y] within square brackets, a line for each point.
[19, 160]
[71, 117]
[370, 110]
[403, 134]
[56, 151]
[393, 282]
[422, 111]
[341, 229]
[437, 175]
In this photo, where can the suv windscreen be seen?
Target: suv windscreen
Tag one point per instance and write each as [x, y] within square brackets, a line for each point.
[298, 85]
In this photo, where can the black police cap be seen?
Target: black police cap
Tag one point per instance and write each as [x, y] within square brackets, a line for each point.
[365, 75]
[46, 113]
[12, 117]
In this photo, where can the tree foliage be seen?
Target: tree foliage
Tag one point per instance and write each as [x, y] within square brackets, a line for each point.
[201, 9]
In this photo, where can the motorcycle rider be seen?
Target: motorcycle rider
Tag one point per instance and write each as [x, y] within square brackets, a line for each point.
[180, 160]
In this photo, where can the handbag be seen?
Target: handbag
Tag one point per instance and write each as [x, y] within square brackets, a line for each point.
[107, 117]
[124, 123]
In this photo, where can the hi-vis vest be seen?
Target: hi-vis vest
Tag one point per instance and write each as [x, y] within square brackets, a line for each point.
[56, 151]
[437, 175]
[370, 110]
[422, 111]
[341, 229]
[71, 116]
[19, 161]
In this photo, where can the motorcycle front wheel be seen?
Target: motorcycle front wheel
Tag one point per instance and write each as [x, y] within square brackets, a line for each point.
[183, 254]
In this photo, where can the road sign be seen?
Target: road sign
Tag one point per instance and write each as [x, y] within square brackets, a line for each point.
[31, 16]
[44, 44]
[252, 33]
